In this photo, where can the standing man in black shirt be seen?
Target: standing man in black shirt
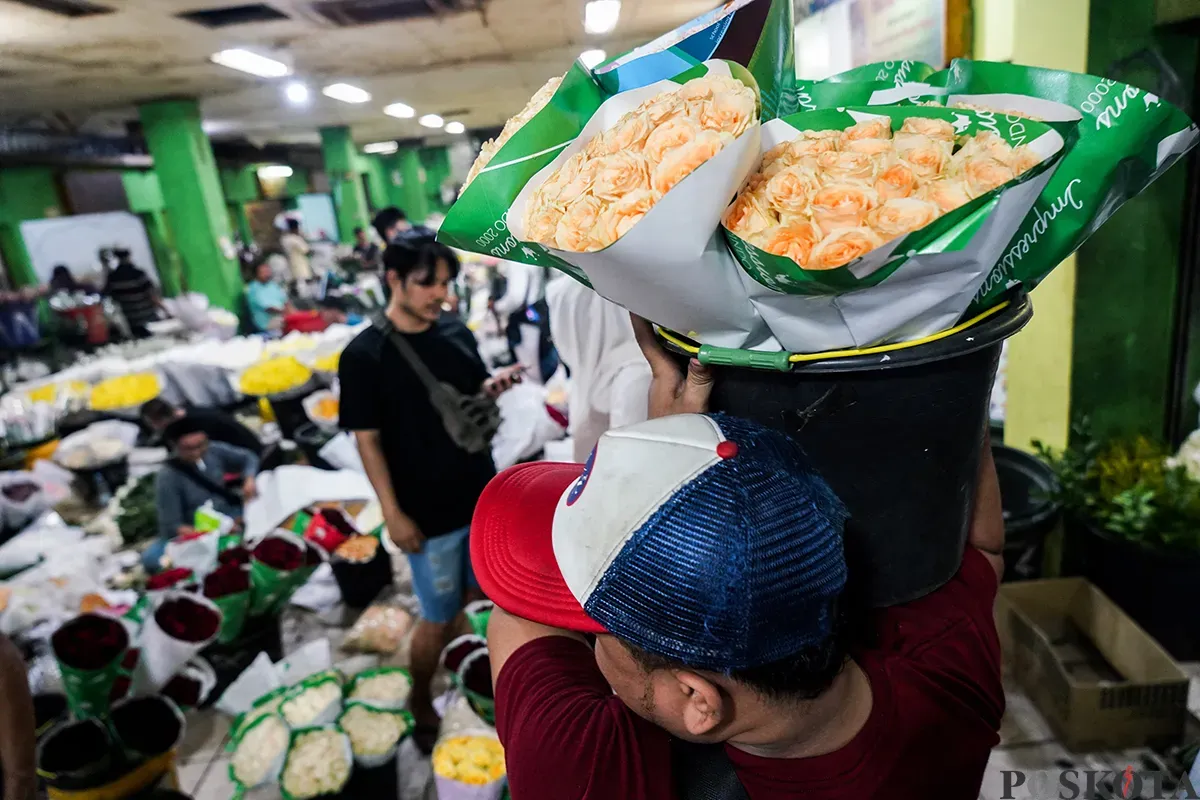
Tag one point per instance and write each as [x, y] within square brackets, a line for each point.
[425, 482]
[134, 292]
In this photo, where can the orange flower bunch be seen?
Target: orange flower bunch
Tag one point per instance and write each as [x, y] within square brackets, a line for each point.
[597, 195]
[829, 197]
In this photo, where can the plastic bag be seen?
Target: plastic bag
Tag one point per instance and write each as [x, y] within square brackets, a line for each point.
[380, 629]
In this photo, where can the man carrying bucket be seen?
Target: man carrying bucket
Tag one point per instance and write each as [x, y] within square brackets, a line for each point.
[705, 555]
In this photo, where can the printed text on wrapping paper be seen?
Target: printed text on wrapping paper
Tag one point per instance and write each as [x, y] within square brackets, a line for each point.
[1016, 127]
[1116, 104]
[1030, 238]
[493, 234]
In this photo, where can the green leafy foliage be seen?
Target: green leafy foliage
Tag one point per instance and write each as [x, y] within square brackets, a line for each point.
[1129, 488]
[138, 518]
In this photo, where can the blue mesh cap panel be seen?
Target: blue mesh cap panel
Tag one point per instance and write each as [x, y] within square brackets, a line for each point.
[740, 568]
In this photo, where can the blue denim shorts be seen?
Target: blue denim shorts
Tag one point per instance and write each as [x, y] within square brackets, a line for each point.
[441, 574]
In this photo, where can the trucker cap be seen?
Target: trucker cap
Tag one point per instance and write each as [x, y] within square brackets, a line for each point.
[702, 538]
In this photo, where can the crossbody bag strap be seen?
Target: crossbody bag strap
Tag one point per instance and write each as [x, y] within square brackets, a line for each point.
[431, 383]
[704, 772]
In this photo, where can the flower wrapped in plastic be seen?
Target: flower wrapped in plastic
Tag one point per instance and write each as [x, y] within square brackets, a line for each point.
[469, 767]
[319, 762]
[374, 733]
[384, 687]
[258, 751]
[313, 702]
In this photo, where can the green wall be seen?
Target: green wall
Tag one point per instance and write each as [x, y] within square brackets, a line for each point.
[436, 162]
[1127, 272]
[25, 193]
[145, 197]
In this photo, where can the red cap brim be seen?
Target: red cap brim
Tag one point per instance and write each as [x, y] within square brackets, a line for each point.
[512, 550]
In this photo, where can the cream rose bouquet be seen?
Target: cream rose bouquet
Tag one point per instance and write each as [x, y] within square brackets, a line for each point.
[862, 225]
[635, 201]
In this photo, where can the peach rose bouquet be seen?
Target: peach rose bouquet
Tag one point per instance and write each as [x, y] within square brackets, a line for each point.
[635, 201]
[895, 209]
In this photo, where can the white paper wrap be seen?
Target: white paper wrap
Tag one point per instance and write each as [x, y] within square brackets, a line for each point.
[925, 295]
[162, 655]
[673, 266]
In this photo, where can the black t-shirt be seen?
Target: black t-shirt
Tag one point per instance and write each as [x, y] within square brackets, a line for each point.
[134, 292]
[223, 427]
[436, 482]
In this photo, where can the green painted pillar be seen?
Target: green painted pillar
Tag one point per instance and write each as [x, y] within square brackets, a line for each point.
[342, 166]
[144, 194]
[377, 182]
[297, 184]
[241, 221]
[412, 185]
[436, 161]
[191, 189]
[166, 257]
[25, 193]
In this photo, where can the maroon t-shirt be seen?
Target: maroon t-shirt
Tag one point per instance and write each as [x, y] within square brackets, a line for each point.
[937, 704]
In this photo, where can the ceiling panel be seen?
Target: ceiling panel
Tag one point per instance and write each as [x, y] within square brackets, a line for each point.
[486, 63]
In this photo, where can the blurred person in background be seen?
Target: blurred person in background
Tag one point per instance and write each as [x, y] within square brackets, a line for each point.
[522, 314]
[426, 483]
[62, 280]
[297, 249]
[199, 471]
[366, 251]
[221, 426]
[267, 300]
[134, 292]
[18, 734]
[390, 223]
[334, 312]
[610, 379]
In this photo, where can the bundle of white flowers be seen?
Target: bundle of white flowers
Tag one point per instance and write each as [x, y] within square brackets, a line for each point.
[385, 687]
[374, 732]
[318, 763]
[258, 751]
[313, 702]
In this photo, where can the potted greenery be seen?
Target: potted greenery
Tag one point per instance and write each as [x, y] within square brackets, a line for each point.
[1132, 527]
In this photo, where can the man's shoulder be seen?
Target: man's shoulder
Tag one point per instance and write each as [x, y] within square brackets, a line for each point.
[366, 344]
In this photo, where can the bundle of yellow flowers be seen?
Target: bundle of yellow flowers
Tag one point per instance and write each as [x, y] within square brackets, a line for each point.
[492, 146]
[473, 760]
[51, 391]
[328, 363]
[127, 391]
[275, 375]
[598, 194]
[831, 196]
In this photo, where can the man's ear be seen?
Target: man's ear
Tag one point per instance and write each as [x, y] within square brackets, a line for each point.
[704, 706]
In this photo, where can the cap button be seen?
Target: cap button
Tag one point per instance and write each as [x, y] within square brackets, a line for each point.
[727, 449]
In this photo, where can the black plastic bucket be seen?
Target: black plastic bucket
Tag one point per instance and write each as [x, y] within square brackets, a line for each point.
[310, 439]
[897, 435]
[288, 408]
[1155, 587]
[1027, 485]
[74, 756]
[49, 709]
[362, 583]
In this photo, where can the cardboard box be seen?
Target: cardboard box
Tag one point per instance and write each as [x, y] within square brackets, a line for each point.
[1100, 680]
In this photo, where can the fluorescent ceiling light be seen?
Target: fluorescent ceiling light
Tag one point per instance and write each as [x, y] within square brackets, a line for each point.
[296, 93]
[431, 121]
[270, 171]
[400, 110]
[592, 58]
[346, 93]
[253, 63]
[600, 16]
[382, 148]
[455, 128]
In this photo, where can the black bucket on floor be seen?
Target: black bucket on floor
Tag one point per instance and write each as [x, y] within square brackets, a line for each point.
[310, 439]
[259, 635]
[897, 435]
[382, 781]
[362, 583]
[1027, 485]
[288, 408]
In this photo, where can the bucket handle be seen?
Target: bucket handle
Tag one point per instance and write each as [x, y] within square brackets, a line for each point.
[782, 361]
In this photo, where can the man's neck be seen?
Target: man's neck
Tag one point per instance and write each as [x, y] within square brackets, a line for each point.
[816, 727]
[405, 321]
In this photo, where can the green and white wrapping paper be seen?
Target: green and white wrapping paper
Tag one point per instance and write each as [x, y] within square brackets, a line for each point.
[672, 266]
[370, 760]
[912, 286]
